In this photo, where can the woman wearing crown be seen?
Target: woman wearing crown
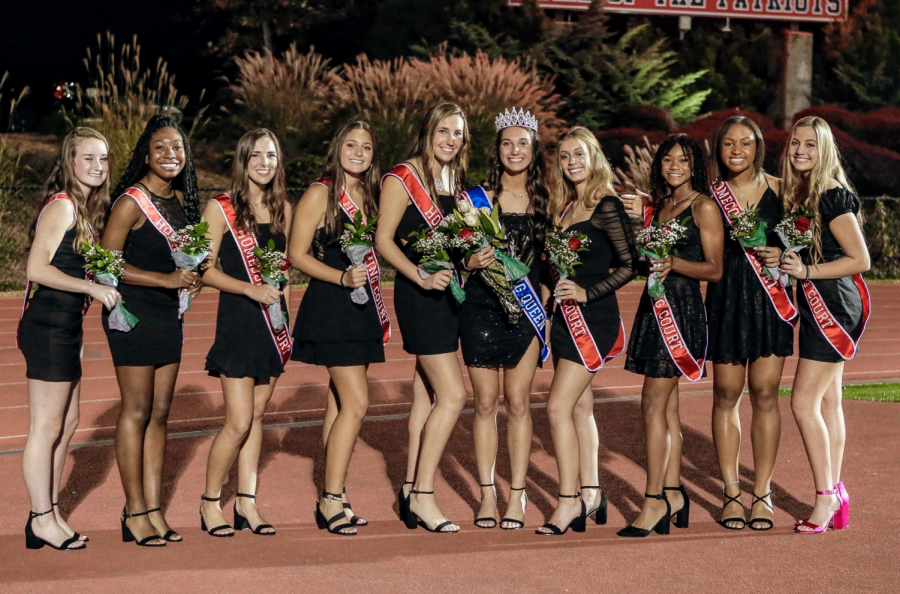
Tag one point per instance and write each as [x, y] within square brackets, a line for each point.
[493, 340]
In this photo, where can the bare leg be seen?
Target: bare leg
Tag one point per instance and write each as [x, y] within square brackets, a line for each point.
[588, 448]
[486, 387]
[833, 413]
[155, 439]
[728, 386]
[517, 394]
[62, 451]
[331, 413]
[248, 458]
[676, 441]
[764, 377]
[421, 406]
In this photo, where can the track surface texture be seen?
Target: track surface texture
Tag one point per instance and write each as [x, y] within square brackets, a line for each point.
[385, 557]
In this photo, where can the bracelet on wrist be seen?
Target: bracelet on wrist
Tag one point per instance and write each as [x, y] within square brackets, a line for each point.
[807, 273]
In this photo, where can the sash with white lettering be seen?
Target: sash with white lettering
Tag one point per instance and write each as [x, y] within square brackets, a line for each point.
[777, 294]
[373, 270]
[417, 193]
[690, 367]
[153, 215]
[87, 274]
[522, 289]
[578, 328]
[843, 342]
[246, 242]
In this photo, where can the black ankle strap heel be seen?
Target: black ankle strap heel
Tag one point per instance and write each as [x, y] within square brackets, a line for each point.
[512, 523]
[487, 522]
[33, 541]
[213, 531]
[682, 516]
[661, 527]
[736, 499]
[354, 519]
[600, 511]
[324, 524]
[241, 523]
[412, 520]
[403, 502]
[578, 523]
[128, 536]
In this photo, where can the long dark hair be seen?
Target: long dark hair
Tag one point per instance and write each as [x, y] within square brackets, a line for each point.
[423, 149]
[757, 165]
[660, 190]
[535, 185]
[334, 171]
[185, 182]
[274, 195]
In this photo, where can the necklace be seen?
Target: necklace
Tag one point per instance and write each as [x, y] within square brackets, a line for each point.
[516, 196]
[439, 185]
[741, 190]
[677, 202]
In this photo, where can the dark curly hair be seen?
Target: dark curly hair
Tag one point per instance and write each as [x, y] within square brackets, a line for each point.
[660, 190]
[535, 185]
[185, 182]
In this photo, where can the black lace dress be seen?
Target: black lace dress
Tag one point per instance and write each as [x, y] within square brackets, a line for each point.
[428, 320]
[157, 338]
[244, 346]
[331, 330]
[841, 295]
[743, 323]
[606, 267]
[487, 337]
[647, 352]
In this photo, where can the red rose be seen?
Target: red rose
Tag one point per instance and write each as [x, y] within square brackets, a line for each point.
[466, 233]
[801, 224]
[286, 265]
[667, 228]
[574, 244]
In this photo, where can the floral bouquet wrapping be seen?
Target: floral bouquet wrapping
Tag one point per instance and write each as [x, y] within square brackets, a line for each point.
[272, 266]
[190, 247]
[357, 241]
[564, 247]
[434, 246]
[794, 232]
[658, 241]
[750, 231]
[107, 267]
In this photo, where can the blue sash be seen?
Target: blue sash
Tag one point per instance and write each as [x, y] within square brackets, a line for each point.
[522, 289]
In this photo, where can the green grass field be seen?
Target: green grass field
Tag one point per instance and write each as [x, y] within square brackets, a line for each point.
[887, 392]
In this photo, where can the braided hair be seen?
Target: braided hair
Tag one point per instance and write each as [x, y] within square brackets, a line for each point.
[185, 182]
[660, 190]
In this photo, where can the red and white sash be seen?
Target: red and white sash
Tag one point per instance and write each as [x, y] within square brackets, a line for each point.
[373, 270]
[778, 295]
[579, 330]
[842, 341]
[246, 242]
[690, 367]
[87, 274]
[417, 193]
[153, 215]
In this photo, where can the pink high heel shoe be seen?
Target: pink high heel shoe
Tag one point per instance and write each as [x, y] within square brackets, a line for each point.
[835, 517]
[843, 515]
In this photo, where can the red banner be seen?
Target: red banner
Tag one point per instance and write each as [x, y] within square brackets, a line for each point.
[842, 341]
[417, 193]
[152, 214]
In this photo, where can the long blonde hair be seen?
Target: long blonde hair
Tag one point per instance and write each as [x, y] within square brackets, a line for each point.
[423, 148]
[599, 184]
[808, 192]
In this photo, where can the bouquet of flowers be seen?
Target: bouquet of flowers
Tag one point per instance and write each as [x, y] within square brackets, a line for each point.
[107, 267]
[190, 247]
[357, 241]
[563, 247]
[434, 246]
[794, 232]
[750, 231]
[272, 266]
[658, 241]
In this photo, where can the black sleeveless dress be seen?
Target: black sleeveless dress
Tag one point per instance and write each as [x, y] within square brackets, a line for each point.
[612, 247]
[487, 337]
[157, 338]
[50, 332]
[429, 320]
[331, 330]
[840, 294]
[647, 352]
[244, 346]
[743, 323]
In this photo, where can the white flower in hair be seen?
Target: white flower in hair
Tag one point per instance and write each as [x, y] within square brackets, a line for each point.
[520, 118]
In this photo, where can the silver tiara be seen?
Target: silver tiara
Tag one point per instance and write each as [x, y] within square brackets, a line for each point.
[520, 118]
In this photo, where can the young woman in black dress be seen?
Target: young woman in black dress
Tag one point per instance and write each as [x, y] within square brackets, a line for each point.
[423, 186]
[677, 169]
[834, 308]
[159, 182]
[331, 329]
[584, 200]
[489, 342]
[249, 351]
[50, 332]
[750, 325]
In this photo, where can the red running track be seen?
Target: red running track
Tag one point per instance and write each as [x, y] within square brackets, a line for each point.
[386, 557]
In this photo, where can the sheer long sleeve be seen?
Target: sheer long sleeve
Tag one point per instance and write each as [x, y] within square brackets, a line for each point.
[611, 218]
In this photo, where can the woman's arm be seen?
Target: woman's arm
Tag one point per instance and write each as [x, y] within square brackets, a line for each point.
[847, 233]
[712, 238]
[288, 219]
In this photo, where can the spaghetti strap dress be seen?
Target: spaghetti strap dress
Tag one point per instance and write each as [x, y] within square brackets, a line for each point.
[743, 323]
[606, 267]
[487, 338]
[840, 295]
[428, 320]
[157, 338]
[244, 346]
[51, 329]
[647, 352]
[331, 330]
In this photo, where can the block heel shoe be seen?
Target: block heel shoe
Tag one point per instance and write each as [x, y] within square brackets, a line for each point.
[127, 535]
[578, 523]
[661, 527]
[33, 541]
[241, 523]
[213, 531]
[598, 512]
[683, 516]
[328, 524]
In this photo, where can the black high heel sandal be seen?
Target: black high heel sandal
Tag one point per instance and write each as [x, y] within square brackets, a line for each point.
[578, 523]
[683, 516]
[81, 537]
[403, 502]
[213, 531]
[767, 523]
[736, 499]
[170, 535]
[516, 524]
[598, 512]
[486, 518]
[354, 519]
[33, 541]
[324, 524]
[412, 520]
[128, 536]
[661, 527]
[241, 523]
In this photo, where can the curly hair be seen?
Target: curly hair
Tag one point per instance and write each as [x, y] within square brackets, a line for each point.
[660, 190]
[274, 196]
[334, 171]
[185, 182]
